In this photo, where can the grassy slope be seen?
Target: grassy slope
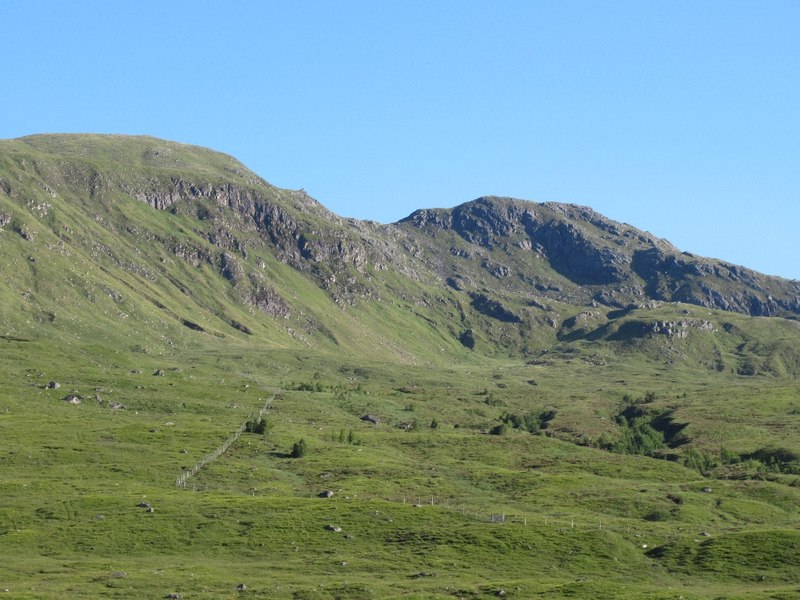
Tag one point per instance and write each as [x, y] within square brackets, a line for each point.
[578, 518]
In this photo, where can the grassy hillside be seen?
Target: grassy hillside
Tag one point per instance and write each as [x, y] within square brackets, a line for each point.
[558, 450]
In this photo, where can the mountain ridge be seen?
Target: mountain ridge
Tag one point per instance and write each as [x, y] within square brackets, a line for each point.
[511, 274]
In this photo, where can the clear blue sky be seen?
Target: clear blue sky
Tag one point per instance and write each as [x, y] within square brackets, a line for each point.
[681, 118]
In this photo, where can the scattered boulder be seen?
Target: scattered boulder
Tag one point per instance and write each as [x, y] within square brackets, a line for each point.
[371, 419]
[333, 528]
[146, 505]
[72, 399]
[241, 588]
[707, 490]
[174, 596]
[53, 385]
[158, 373]
[326, 494]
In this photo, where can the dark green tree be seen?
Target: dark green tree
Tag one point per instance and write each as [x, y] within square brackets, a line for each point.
[299, 449]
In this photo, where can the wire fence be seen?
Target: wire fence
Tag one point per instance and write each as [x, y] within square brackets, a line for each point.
[184, 477]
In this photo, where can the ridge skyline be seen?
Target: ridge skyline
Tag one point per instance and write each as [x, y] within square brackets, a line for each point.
[369, 218]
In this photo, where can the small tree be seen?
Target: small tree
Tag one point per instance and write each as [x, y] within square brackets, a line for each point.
[299, 449]
[261, 426]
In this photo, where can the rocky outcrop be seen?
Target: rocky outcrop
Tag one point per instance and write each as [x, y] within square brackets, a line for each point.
[268, 301]
[596, 260]
[714, 284]
[680, 329]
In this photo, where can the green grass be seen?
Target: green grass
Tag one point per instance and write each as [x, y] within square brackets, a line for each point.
[577, 518]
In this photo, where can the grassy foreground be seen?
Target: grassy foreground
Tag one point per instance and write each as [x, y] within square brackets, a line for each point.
[417, 511]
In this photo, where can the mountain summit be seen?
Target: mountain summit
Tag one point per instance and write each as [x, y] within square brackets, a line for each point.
[577, 255]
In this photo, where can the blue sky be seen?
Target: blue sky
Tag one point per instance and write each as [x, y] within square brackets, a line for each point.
[681, 118]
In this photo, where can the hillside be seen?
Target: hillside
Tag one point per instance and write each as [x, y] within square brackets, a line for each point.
[505, 396]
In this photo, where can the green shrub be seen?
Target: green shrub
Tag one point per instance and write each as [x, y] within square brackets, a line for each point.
[638, 437]
[532, 422]
[699, 461]
[499, 429]
[299, 449]
[261, 426]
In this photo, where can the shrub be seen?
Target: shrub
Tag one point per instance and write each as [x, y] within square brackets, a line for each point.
[532, 422]
[261, 426]
[699, 461]
[778, 460]
[657, 514]
[638, 437]
[499, 429]
[299, 449]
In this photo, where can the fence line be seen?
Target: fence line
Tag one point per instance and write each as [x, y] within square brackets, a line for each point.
[212, 456]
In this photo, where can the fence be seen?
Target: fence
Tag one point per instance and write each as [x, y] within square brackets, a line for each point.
[212, 456]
